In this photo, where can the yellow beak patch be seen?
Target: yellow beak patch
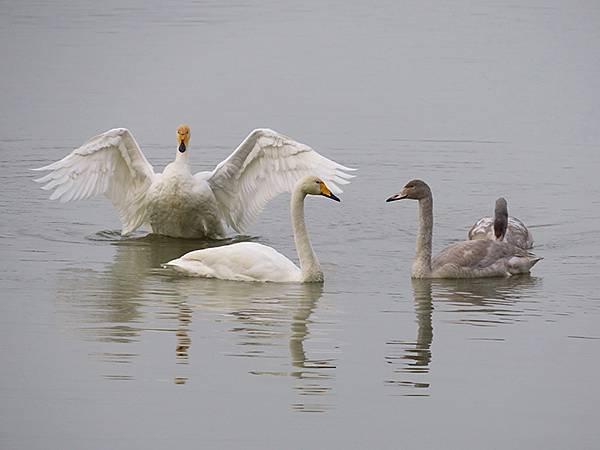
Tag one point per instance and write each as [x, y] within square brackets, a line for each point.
[324, 190]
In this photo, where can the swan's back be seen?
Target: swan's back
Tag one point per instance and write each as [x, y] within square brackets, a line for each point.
[244, 261]
[516, 232]
[481, 258]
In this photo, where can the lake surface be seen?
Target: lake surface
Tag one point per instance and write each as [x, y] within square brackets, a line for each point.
[100, 348]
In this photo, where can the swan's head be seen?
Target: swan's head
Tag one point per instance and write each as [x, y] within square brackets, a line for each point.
[313, 185]
[414, 189]
[183, 137]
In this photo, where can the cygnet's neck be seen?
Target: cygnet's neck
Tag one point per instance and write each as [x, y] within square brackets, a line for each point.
[309, 264]
[421, 267]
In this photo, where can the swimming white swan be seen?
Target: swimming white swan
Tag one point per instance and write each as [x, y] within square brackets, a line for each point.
[176, 203]
[249, 261]
[467, 259]
[502, 227]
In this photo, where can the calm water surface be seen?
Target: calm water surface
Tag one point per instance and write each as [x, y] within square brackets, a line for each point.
[100, 348]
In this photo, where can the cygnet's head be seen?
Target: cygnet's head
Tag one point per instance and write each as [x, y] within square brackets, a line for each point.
[501, 207]
[414, 189]
[183, 137]
[313, 185]
[500, 219]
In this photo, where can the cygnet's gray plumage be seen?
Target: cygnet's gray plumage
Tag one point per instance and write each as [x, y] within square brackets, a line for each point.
[502, 227]
[467, 259]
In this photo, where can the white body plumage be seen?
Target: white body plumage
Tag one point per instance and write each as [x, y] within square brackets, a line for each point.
[243, 261]
[180, 205]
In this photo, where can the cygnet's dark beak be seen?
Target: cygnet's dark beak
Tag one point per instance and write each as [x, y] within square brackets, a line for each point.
[398, 196]
[182, 147]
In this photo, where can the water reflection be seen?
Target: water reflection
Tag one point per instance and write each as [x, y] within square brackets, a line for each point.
[415, 356]
[271, 322]
[181, 312]
[312, 373]
[419, 357]
[491, 301]
[479, 302]
[112, 305]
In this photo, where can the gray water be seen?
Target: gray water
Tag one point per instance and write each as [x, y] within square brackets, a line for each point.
[100, 348]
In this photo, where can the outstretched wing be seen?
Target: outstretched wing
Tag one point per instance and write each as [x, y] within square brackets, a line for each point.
[111, 164]
[266, 164]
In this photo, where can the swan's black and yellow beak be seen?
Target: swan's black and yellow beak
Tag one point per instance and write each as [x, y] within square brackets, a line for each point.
[399, 196]
[183, 137]
[327, 193]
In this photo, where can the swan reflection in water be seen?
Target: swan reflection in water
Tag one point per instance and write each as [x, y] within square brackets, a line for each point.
[114, 297]
[271, 323]
[133, 295]
[112, 305]
[479, 302]
[312, 373]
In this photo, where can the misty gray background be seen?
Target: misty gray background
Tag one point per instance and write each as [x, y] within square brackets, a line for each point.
[99, 348]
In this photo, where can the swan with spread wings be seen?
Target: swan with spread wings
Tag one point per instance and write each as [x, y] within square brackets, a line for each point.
[176, 202]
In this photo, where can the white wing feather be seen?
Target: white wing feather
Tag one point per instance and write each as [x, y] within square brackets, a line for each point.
[265, 165]
[111, 164]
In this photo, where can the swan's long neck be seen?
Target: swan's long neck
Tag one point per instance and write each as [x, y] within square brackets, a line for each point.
[181, 158]
[422, 264]
[178, 168]
[309, 264]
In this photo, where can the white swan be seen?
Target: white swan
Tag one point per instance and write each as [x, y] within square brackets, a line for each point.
[249, 261]
[502, 227]
[176, 203]
[467, 259]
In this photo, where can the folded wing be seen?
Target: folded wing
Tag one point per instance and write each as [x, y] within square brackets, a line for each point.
[111, 164]
[265, 165]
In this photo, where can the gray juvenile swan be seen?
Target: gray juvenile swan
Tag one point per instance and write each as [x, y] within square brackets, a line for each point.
[502, 227]
[467, 259]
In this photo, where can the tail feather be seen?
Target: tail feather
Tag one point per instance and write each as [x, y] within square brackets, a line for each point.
[522, 264]
[534, 260]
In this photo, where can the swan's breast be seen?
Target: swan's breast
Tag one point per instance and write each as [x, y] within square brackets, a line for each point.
[181, 206]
